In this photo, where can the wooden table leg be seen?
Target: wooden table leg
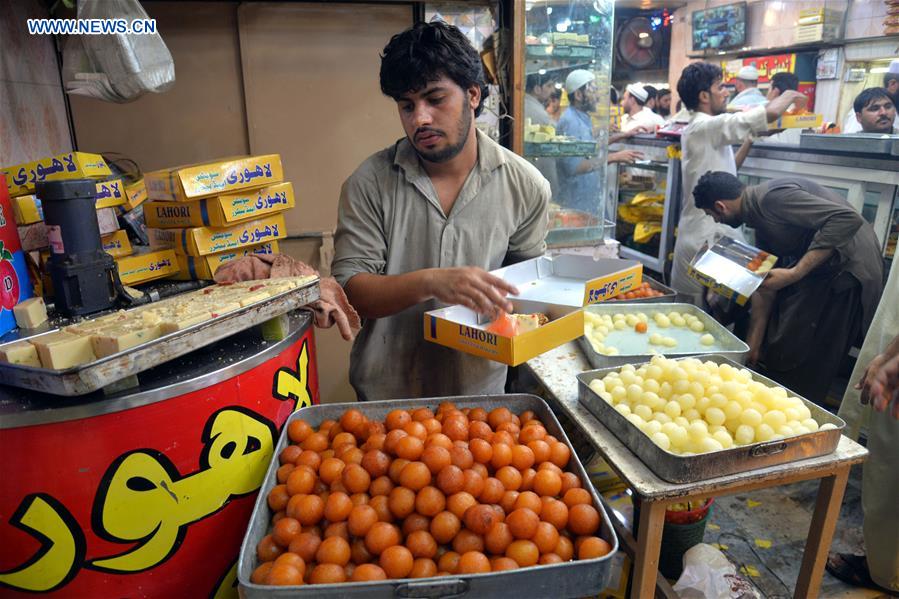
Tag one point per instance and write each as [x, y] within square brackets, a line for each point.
[649, 542]
[824, 521]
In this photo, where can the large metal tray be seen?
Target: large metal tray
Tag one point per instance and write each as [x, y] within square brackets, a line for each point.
[867, 143]
[570, 579]
[85, 378]
[687, 469]
[726, 343]
[668, 294]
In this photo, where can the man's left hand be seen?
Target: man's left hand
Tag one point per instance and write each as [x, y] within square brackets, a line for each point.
[778, 278]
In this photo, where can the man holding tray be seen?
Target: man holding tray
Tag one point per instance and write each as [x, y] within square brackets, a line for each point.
[421, 222]
[822, 296]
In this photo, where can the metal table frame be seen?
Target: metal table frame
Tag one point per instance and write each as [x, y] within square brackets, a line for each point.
[555, 371]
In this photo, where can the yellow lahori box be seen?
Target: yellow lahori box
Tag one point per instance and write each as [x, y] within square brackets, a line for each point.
[201, 241]
[220, 211]
[204, 267]
[557, 286]
[20, 179]
[190, 182]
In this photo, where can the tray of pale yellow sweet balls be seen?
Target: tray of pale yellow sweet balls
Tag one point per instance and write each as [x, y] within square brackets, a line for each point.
[622, 333]
[698, 418]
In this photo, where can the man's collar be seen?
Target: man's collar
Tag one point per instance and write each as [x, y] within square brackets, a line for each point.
[490, 155]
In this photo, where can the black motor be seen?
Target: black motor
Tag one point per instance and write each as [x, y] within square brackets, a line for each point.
[83, 275]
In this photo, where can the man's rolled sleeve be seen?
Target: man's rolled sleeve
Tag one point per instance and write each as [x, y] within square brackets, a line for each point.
[360, 244]
[529, 240]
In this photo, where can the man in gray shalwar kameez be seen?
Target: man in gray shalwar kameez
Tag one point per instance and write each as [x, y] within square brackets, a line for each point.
[822, 296]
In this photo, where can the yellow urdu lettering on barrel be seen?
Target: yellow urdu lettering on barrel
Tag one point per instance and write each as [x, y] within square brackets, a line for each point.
[143, 502]
[294, 384]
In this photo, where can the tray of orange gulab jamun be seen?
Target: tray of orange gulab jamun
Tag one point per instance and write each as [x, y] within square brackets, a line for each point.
[475, 496]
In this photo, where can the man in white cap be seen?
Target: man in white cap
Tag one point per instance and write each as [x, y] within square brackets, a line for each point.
[748, 93]
[579, 178]
[637, 113]
[851, 123]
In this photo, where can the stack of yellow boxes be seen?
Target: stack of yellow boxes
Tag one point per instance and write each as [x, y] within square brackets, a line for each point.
[210, 214]
[112, 196]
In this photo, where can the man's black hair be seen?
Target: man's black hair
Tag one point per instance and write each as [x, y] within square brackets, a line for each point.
[664, 92]
[785, 81]
[714, 186]
[535, 79]
[424, 53]
[695, 78]
[651, 92]
[869, 95]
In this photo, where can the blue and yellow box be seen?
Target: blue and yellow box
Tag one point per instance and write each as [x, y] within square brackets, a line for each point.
[556, 286]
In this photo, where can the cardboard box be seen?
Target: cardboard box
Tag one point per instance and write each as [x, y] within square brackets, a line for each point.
[798, 121]
[725, 269]
[558, 286]
[20, 179]
[204, 267]
[110, 194]
[220, 211]
[27, 209]
[117, 244]
[135, 195]
[201, 241]
[147, 266]
[194, 181]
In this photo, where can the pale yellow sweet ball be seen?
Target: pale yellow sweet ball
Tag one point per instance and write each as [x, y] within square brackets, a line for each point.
[673, 409]
[662, 440]
[652, 427]
[682, 422]
[744, 435]
[597, 385]
[669, 342]
[628, 377]
[827, 426]
[661, 417]
[686, 401]
[636, 421]
[724, 438]
[678, 321]
[619, 394]
[732, 410]
[698, 429]
[643, 412]
[651, 385]
[692, 415]
[697, 327]
[763, 432]
[620, 325]
[715, 416]
[663, 321]
[607, 397]
[654, 372]
[655, 339]
[623, 409]
[710, 444]
[786, 431]
[751, 417]
[811, 424]
[634, 393]
[775, 419]
[703, 404]
[706, 339]
[666, 390]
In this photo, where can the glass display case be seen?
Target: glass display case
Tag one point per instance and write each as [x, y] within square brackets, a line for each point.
[564, 103]
[647, 199]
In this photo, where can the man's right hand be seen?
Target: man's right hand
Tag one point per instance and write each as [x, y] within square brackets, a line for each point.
[471, 287]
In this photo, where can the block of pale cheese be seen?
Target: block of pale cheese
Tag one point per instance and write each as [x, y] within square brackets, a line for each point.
[182, 322]
[20, 352]
[118, 338]
[30, 313]
[63, 350]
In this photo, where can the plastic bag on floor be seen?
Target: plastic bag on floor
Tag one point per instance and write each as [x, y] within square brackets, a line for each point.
[118, 67]
[709, 575]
